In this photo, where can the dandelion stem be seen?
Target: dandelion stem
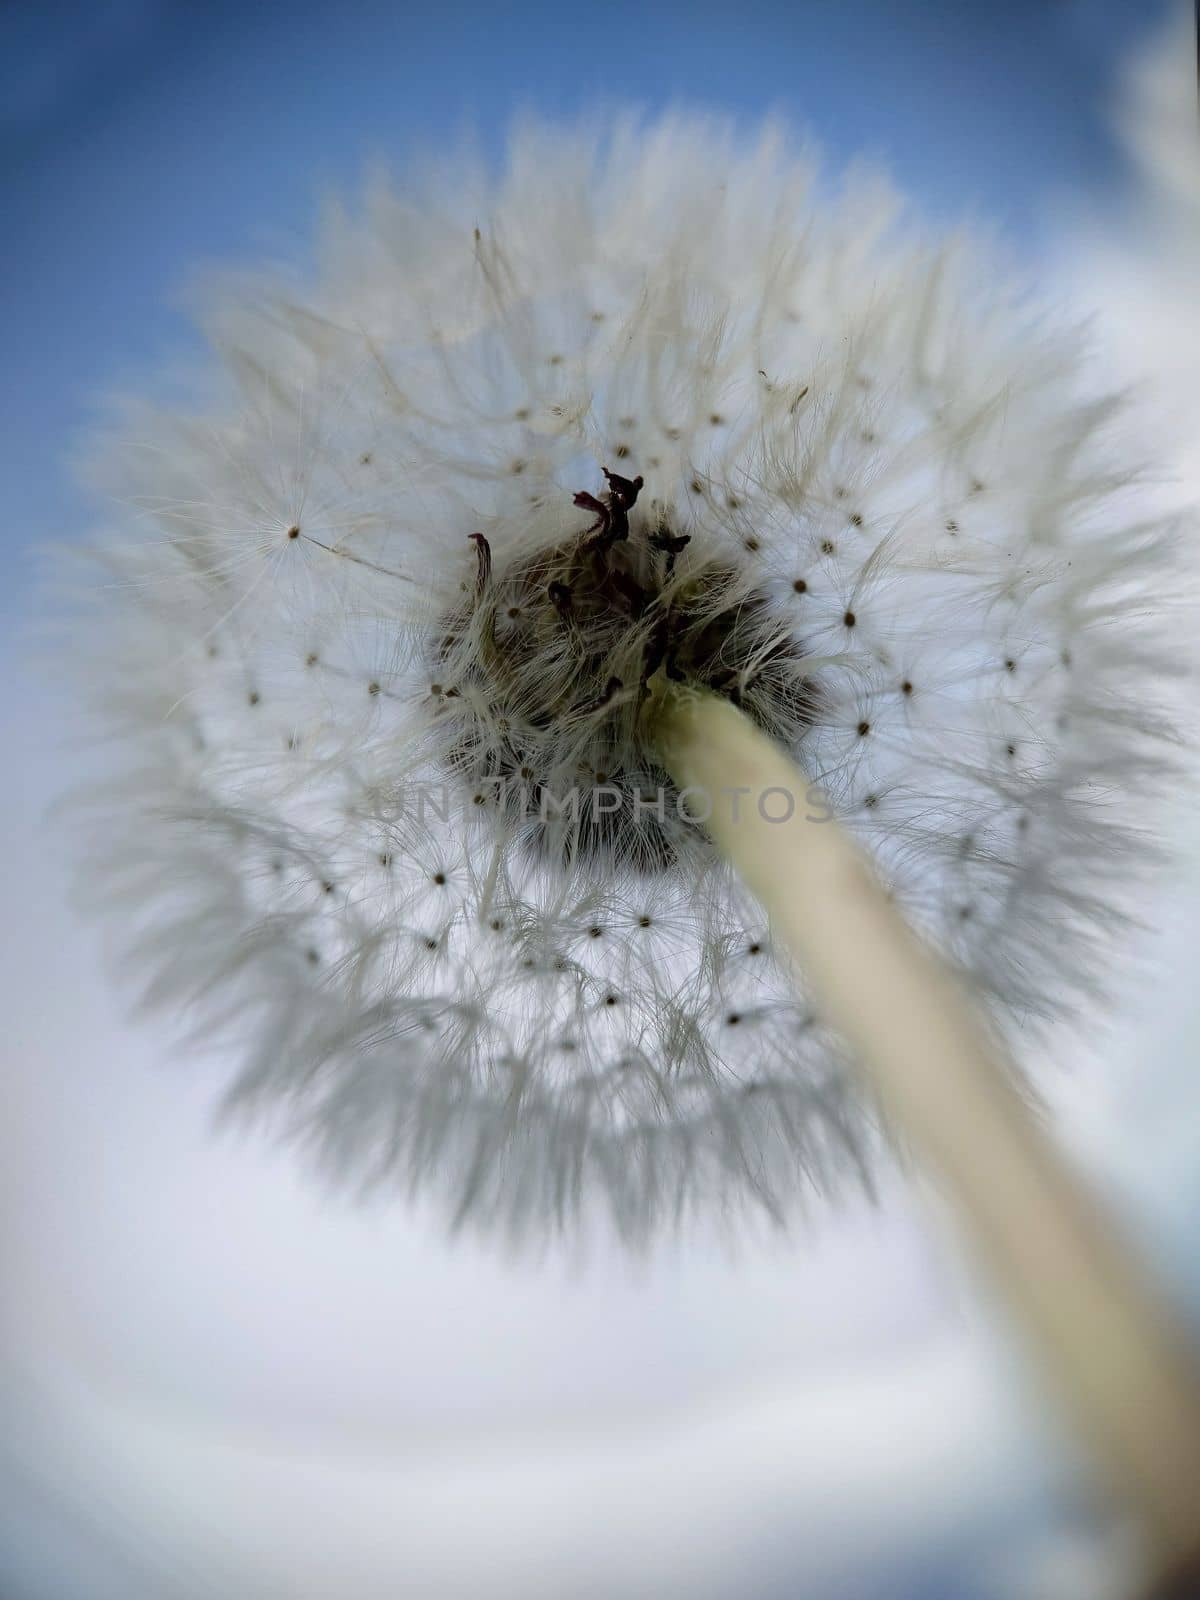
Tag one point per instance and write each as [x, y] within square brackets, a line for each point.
[1112, 1349]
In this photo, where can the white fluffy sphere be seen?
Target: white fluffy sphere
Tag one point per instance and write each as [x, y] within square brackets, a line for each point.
[879, 506]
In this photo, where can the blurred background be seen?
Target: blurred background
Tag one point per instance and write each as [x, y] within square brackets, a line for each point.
[216, 1380]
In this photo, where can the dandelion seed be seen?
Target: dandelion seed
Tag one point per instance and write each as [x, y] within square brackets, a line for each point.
[386, 1025]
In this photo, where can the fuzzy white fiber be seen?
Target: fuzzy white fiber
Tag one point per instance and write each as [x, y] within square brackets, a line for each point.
[895, 477]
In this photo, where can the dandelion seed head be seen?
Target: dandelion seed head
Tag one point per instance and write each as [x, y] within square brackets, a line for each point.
[638, 404]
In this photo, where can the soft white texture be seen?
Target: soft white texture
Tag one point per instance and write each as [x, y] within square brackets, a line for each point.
[867, 432]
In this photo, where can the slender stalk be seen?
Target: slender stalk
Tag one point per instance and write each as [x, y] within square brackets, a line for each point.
[1112, 1350]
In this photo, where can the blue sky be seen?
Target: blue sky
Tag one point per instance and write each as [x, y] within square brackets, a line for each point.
[139, 138]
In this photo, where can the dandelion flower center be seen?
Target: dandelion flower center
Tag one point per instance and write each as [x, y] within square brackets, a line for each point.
[551, 660]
